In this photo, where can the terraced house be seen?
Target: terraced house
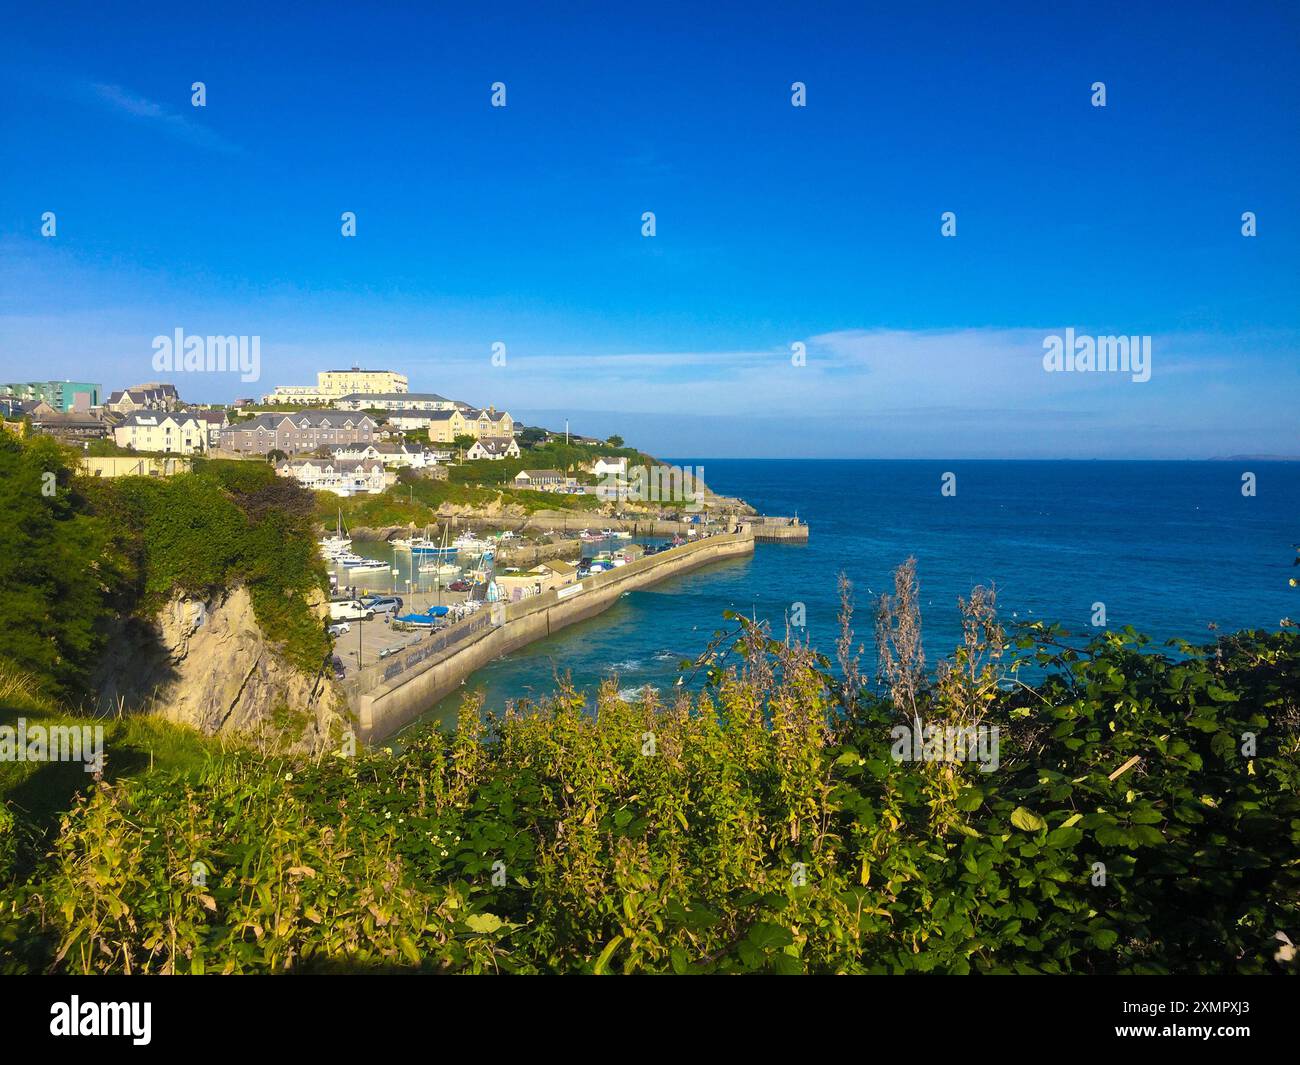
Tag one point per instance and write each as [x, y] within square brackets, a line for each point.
[176, 433]
[296, 433]
[445, 425]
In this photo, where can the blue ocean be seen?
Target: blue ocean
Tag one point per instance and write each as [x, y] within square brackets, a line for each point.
[1171, 548]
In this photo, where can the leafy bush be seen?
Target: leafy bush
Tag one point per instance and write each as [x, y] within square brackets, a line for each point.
[764, 824]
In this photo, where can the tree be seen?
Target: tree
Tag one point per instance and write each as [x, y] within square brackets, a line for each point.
[463, 441]
[531, 437]
[275, 456]
[615, 441]
[57, 574]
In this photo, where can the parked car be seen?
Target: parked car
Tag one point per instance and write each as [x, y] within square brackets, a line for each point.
[349, 610]
[383, 604]
[339, 628]
[459, 586]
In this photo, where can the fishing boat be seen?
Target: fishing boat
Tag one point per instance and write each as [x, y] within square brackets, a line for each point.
[470, 544]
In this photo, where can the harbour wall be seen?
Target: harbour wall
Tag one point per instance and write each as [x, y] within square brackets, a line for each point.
[385, 708]
[770, 529]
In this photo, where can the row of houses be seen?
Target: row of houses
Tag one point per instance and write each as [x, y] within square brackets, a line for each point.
[343, 477]
[304, 431]
[185, 432]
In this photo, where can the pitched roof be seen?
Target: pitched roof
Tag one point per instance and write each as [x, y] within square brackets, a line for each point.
[153, 418]
[493, 446]
[338, 465]
[334, 419]
[420, 397]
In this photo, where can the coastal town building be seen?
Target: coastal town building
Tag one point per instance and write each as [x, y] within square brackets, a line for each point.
[443, 426]
[391, 453]
[214, 421]
[332, 385]
[398, 401]
[72, 427]
[62, 396]
[611, 474]
[489, 424]
[556, 573]
[343, 477]
[493, 449]
[155, 395]
[610, 467]
[543, 480]
[292, 433]
[178, 432]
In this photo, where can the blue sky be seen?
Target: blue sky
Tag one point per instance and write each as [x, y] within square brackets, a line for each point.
[775, 224]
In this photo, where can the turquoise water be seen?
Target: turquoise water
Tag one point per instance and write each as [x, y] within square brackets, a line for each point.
[1169, 548]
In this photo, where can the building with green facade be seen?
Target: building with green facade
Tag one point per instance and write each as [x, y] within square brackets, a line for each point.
[61, 395]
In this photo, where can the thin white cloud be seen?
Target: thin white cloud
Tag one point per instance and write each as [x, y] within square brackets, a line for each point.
[133, 105]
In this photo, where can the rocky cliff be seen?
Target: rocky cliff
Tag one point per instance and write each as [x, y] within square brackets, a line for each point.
[209, 665]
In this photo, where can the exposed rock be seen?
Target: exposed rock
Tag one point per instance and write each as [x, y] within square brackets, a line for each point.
[209, 665]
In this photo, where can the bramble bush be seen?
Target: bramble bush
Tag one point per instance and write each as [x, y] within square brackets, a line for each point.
[1143, 817]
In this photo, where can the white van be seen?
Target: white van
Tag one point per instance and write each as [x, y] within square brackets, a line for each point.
[349, 610]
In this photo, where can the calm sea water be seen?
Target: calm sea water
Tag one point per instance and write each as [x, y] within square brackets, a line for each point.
[1169, 548]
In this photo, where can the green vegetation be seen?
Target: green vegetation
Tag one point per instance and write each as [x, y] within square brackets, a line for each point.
[414, 500]
[108, 447]
[556, 455]
[56, 582]
[1144, 816]
[81, 552]
[35, 795]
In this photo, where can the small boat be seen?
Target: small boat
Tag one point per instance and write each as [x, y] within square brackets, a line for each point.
[367, 565]
[433, 549]
[470, 544]
[426, 619]
[440, 569]
[338, 543]
[348, 558]
[589, 536]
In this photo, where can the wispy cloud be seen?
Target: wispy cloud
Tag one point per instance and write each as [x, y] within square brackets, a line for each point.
[125, 102]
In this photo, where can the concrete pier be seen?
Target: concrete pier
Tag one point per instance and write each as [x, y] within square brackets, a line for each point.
[413, 682]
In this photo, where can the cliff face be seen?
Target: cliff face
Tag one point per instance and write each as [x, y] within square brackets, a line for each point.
[209, 665]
